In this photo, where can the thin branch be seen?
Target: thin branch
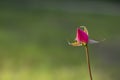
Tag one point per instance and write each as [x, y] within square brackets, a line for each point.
[88, 61]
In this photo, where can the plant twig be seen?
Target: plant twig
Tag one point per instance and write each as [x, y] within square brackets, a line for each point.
[88, 61]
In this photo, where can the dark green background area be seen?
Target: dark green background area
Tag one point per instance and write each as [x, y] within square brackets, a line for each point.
[34, 36]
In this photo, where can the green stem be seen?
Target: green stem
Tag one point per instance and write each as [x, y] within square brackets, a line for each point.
[88, 61]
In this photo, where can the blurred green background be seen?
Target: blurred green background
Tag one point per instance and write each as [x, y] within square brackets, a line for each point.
[34, 35]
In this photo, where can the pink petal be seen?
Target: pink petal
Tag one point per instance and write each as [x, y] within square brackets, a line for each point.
[81, 36]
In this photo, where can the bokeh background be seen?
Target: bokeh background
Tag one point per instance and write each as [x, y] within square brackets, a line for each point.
[34, 35]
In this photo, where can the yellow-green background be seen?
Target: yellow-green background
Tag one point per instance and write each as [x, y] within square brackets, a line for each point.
[34, 35]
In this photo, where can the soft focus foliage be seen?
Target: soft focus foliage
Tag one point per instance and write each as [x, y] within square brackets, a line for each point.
[33, 42]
